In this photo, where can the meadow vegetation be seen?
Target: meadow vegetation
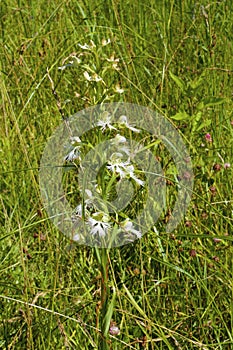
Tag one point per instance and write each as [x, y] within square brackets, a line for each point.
[172, 291]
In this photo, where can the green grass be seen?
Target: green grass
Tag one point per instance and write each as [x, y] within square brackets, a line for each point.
[173, 291]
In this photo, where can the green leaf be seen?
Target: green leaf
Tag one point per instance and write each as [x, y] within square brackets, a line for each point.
[196, 83]
[204, 124]
[180, 116]
[108, 316]
[195, 120]
[178, 81]
[211, 101]
[135, 304]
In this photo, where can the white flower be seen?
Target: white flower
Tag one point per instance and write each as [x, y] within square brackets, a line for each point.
[114, 62]
[89, 193]
[105, 122]
[123, 120]
[96, 78]
[76, 237]
[130, 171]
[84, 47]
[98, 226]
[105, 42]
[117, 168]
[89, 199]
[65, 66]
[87, 76]
[78, 210]
[120, 142]
[113, 59]
[119, 139]
[73, 63]
[116, 165]
[74, 154]
[124, 169]
[115, 66]
[119, 90]
[227, 165]
[87, 47]
[127, 226]
[75, 139]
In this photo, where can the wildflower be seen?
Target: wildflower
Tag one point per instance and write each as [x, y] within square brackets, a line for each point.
[113, 59]
[106, 42]
[84, 209]
[114, 330]
[186, 175]
[76, 61]
[208, 137]
[215, 258]
[74, 154]
[204, 215]
[127, 226]
[217, 167]
[65, 66]
[114, 62]
[124, 169]
[89, 193]
[227, 165]
[192, 253]
[118, 89]
[75, 140]
[87, 47]
[116, 165]
[77, 215]
[87, 76]
[119, 139]
[105, 122]
[89, 200]
[96, 78]
[99, 224]
[123, 120]
[130, 171]
[213, 190]
[120, 142]
[76, 237]
[188, 223]
[78, 210]
[84, 47]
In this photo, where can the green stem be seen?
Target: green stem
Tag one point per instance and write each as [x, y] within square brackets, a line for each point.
[104, 321]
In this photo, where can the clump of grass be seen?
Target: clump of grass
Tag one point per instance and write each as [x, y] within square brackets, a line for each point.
[172, 290]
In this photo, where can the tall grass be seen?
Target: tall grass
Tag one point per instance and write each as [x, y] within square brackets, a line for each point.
[172, 291]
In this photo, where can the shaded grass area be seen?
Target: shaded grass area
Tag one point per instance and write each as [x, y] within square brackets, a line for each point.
[174, 291]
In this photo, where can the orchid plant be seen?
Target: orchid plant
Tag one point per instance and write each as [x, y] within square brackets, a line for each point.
[94, 215]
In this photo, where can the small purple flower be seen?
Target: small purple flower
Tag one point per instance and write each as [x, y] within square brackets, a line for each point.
[227, 165]
[114, 330]
[217, 167]
[216, 240]
[192, 253]
[208, 137]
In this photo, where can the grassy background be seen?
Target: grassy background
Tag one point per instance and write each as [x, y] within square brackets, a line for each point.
[172, 293]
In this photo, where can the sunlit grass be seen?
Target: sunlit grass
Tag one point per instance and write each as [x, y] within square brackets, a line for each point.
[173, 291]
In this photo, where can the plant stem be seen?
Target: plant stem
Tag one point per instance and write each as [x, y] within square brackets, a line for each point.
[104, 298]
[102, 256]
